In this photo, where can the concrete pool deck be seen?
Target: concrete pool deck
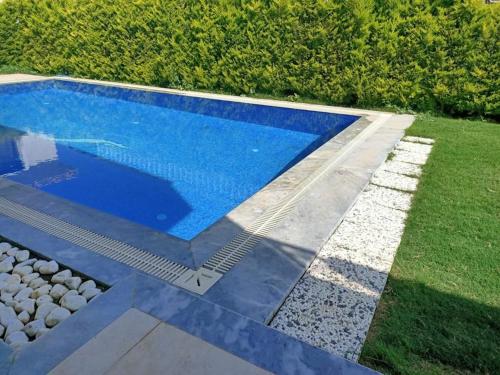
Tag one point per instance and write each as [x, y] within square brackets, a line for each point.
[233, 312]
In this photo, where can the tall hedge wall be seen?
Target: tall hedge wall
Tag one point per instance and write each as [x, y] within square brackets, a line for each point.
[421, 54]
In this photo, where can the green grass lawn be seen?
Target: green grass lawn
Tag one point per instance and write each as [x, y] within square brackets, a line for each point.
[440, 311]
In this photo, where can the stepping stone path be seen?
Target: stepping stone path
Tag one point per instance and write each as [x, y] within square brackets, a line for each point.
[332, 306]
[36, 295]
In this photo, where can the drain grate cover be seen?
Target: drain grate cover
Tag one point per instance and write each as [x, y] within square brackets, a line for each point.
[116, 250]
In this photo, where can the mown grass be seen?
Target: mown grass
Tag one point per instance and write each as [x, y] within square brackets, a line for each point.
[440, 311]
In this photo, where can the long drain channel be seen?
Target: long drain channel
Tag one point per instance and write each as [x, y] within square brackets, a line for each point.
[142, 260]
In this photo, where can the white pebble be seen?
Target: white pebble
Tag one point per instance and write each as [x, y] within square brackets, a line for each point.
[17, 339]
[49, 268]
[22, 270]
[43, 290]
[23, 294]
[44, 310]
[43, 299]
[7, 315]
[33, 327]
[37, 283]
[13, 326]
[29, 278]
[26, 305]
[61, 277]
[12, 251]
[22, 255]
[73, 282]
[85, 285]
[58, 291]
[38, 264]
[6, 297]
[56, 316]
[6, 266]
[90, 293]
[4, 276]
[14, 279]
[4, 246]
[24, 317]
[28, 262]
[73, 303]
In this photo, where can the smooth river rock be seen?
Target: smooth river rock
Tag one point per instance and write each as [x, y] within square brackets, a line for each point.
[17, 339]
[49, 268]
[43, 299]
[90, 293]
[4, 246]
[22, 270]
[6, 266]
[29, 278]
[58, 291]
[13, 326]
[73, 282]
[24, 317]
[73, 303]
[37, 283]
[43, 290]
[7, 315]
[61, 277]
[26, 305]
[85, 285]
[33, 327]
[23, 294]
[44, 310]
[56, 316]
[22, 255]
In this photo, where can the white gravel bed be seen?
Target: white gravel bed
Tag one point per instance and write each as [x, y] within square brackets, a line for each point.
[426, 141]
[36, 295]
[418, 148]
[410, 157]
[382, 196]
[332, 306]
[395, 181]
[399, 167]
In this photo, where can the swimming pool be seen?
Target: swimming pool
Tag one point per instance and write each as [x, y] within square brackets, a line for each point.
[173, 163]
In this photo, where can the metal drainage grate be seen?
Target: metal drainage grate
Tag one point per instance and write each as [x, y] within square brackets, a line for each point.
[116, 250]
[239, 246]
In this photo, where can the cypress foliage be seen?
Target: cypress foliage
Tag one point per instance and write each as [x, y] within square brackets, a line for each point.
[426, 55]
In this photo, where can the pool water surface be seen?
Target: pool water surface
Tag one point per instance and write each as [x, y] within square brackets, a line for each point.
[173, 163]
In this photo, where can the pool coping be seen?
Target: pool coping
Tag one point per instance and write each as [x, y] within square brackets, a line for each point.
[259, 282]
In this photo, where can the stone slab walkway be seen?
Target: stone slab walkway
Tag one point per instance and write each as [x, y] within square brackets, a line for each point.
[333, 304]
[137, 343]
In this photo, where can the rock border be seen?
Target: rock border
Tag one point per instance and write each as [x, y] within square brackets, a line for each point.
[36, 294]
[333, 304]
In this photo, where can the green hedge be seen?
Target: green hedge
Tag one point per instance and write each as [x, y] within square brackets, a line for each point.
[415, 54]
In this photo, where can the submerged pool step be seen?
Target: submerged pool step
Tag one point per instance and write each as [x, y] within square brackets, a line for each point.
[140, 259]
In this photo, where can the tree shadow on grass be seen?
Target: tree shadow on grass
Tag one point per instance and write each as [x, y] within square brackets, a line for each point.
[418, 329]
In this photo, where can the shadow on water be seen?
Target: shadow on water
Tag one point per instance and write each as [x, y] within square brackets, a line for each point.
[78, 176]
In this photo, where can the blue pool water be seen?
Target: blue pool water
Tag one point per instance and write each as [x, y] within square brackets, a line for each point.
[173, 163]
